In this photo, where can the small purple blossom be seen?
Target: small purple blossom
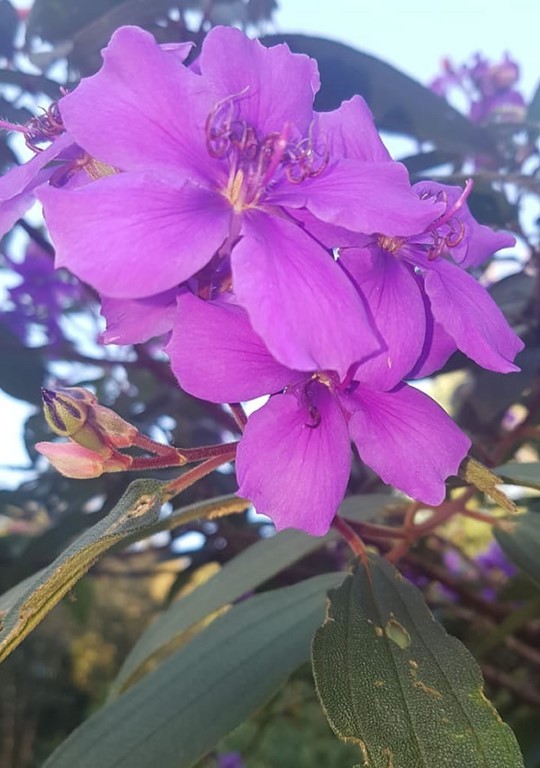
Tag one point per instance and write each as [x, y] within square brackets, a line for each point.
[230, 760]
[489, 88]
[495, 561]
[294, 458]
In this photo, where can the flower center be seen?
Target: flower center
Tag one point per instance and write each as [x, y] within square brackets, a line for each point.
[390, 244]
[328, 379]
[255, 163]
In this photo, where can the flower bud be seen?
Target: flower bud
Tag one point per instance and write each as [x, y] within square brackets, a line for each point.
[74, 412]
[65, 412]
[76, 461]
[119, 433]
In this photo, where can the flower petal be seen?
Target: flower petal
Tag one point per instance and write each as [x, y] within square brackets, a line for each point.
[134, 321]
[438, 345]
[72, 460]
[19, 178]
[397, 309]
[363, 197]
[11, 210]
[350, 132]
[470, 316]
[274, 87]
[130, 235]
[294, 471]
[217, 356]
[299, 301]
[478, 242]
[143, 110]
[407, 439]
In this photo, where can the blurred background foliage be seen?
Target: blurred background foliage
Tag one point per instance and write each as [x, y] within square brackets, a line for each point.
[49, 334]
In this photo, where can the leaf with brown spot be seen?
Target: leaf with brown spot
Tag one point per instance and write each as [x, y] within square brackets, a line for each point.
[135, 516]
[409, 695]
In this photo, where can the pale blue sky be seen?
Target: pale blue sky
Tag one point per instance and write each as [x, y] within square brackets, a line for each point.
[412, 35]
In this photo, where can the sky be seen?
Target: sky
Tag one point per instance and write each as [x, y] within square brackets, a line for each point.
[412, 35]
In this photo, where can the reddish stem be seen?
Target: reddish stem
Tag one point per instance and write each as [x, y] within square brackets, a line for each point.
[151, 446]
[351, 537]
[190, 477]
[240, 416]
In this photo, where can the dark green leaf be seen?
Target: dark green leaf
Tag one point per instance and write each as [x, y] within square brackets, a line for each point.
[491, 206]
[11, 113]
[392, 680]
[135, 516]
[526, 474]
[177, 713]
[520, 539]
[398, 102]
[56, 20]
[30, 83]
[490, 394]
[9, 21]
[244, 573]
[423, 161]
[21, 371]
[514, 295]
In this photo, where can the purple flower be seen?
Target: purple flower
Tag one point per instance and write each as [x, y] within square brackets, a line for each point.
[230, 760]
[56, 164]
[215, 160]
[495, 561]
[294, 458]
[416, 292]
[42, 296]
[489, 88]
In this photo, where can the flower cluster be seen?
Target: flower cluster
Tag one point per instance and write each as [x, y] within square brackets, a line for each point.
[489, 88]
[282, 250]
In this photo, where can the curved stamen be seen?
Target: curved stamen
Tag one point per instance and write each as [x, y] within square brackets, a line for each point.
[451, 212]
[45, 127]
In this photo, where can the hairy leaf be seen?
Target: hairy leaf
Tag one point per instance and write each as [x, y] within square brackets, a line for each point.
[392, 680]
[136, 515]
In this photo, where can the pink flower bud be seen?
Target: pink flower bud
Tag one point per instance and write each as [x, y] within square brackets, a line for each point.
[73, 460]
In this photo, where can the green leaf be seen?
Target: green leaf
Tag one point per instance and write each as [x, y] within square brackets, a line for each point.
[135, 516]
[250, 569]
[520, 540]
[392, 680]
[180, 711]
[525, 474]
